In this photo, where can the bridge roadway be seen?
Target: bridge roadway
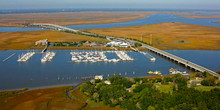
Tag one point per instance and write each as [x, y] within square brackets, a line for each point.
[180, 60]
[52, 26]
[153, 49]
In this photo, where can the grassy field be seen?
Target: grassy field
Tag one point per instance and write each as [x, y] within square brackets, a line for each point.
[165, 88]
[77, 18]
[169, 35]
[205, 88]
[26, 40]
[71, 18]
[49, 99]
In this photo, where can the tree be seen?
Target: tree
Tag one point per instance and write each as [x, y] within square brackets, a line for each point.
[209, 81]
[180, 81]
[193, 84]
[138, 45]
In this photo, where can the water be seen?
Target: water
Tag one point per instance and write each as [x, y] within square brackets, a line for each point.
[152, 19]
[34, 74]
[16, 29]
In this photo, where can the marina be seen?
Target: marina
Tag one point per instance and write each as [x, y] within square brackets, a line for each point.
[88, 57]
[34, 73]
[99, 56]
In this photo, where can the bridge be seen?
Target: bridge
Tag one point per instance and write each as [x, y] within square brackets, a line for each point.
[150, 48]
[180, 60]
[51, 26]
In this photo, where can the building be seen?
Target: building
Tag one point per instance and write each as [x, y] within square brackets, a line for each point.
[107, 82]
[123, 45]
[114, 43]
[41, 42]
[117, 44]
[100, 77]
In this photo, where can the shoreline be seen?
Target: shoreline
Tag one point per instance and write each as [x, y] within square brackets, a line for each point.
[80, 18]
[105, 49]
[40, 87]
[66, 85]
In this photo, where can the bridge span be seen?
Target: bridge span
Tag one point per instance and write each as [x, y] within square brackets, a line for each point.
[150, 48]
[51, 26]
[180, 60]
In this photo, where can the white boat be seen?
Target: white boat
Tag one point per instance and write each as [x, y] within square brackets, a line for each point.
[78, 61]
[153, 59]
[84, 60]
[74, 58]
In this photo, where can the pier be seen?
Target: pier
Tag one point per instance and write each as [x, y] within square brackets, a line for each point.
[149, 56]
[45, 49]
[150, 48]
[9, 57]
[123, 56]
[144, 53]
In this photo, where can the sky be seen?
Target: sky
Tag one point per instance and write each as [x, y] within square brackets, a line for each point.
[148, 4]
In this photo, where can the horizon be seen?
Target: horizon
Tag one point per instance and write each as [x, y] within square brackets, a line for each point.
[112, 4]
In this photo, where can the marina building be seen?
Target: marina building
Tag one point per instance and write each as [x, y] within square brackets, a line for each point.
[117, 44]
[100, 77]
[41, 42]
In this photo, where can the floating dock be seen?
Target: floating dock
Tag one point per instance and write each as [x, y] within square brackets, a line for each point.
[25, 57]
[9, 57]
[123, 56]
[148, 56]
[48, 57]
[91, 57]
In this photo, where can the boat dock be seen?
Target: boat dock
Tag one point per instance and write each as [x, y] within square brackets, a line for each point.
[144, 53]
[9, 57]
[123, 56]
[45, 49]
[48, 57]
[148, 56]
[91, 57]
[25, 57]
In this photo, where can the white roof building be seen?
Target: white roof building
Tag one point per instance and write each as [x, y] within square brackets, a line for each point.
[41, 42]
[100, 77]
[117, 43]
[107, 82]
[123, 45]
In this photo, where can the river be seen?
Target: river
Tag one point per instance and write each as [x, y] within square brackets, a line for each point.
[152, 19]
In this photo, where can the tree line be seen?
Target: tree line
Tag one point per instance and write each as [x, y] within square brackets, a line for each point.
[142, 93]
